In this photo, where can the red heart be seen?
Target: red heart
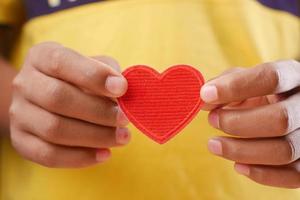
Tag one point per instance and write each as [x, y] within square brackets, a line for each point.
[160, 105]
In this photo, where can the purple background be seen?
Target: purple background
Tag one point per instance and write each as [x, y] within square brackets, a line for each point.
[36, 8]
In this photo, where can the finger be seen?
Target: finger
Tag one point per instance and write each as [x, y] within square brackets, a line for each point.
[62, 98]
[207, 106]
[260, 101]
[109, 61]
[246, 104]
[67, 131]
[112, 63]
[265, 121]
[251, 102]
[273, 151]
[229, 71]
[84, 72]
[271, 120]
[283, 176]
[262, 80]
[292, 108]
[288, 75]
[55, 156]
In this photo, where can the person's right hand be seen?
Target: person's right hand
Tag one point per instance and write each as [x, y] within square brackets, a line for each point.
[63, 112]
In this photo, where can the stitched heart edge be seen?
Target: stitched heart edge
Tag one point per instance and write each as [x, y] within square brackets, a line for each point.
[191, 115]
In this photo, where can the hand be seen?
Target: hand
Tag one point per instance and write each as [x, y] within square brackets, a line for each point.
[261, 108]
[63, 112]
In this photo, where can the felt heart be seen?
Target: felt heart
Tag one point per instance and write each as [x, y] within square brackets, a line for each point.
[160, 105]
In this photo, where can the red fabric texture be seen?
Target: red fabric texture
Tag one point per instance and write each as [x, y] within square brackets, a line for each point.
[161, 105]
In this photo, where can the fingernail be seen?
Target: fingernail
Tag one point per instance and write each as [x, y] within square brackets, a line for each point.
[122, 136]
[102, 155]
[122, 120]
[242, 169]
[209, 93]
[115, 85]
[215, 147]
[213, 119]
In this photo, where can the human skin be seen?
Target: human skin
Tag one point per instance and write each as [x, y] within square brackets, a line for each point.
[63, 114]
[260, 107]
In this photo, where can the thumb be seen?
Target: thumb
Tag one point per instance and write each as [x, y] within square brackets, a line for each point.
[109, 61]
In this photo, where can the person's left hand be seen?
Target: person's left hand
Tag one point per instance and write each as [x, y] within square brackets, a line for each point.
[260, 107]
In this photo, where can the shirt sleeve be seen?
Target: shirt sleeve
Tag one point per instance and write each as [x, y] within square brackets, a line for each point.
[11, 12]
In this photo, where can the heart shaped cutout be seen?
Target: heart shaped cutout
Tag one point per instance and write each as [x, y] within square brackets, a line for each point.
[161, 105]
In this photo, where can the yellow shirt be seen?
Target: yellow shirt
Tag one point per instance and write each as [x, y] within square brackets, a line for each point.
[212, 35]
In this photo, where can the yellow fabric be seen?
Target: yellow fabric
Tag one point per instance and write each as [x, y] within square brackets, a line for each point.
[212, 35]
[10, 12]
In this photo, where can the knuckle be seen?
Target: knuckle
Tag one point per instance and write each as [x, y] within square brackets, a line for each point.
[53, 128]
[278, 78]
[57, 95]
[95, 73]
[14, 139]
[107, 112]
[56, 55]
[258, 174]
[41, 47]
[234, 153]
[289, 150]
[233, 87]
[17, 143]
[47, 156]
[31, 52]
[36, 48]
[15, 112]
[17, 83]
[268, 77]
[291, 142]
[228, 120]
[283, 119]
[12, 111]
